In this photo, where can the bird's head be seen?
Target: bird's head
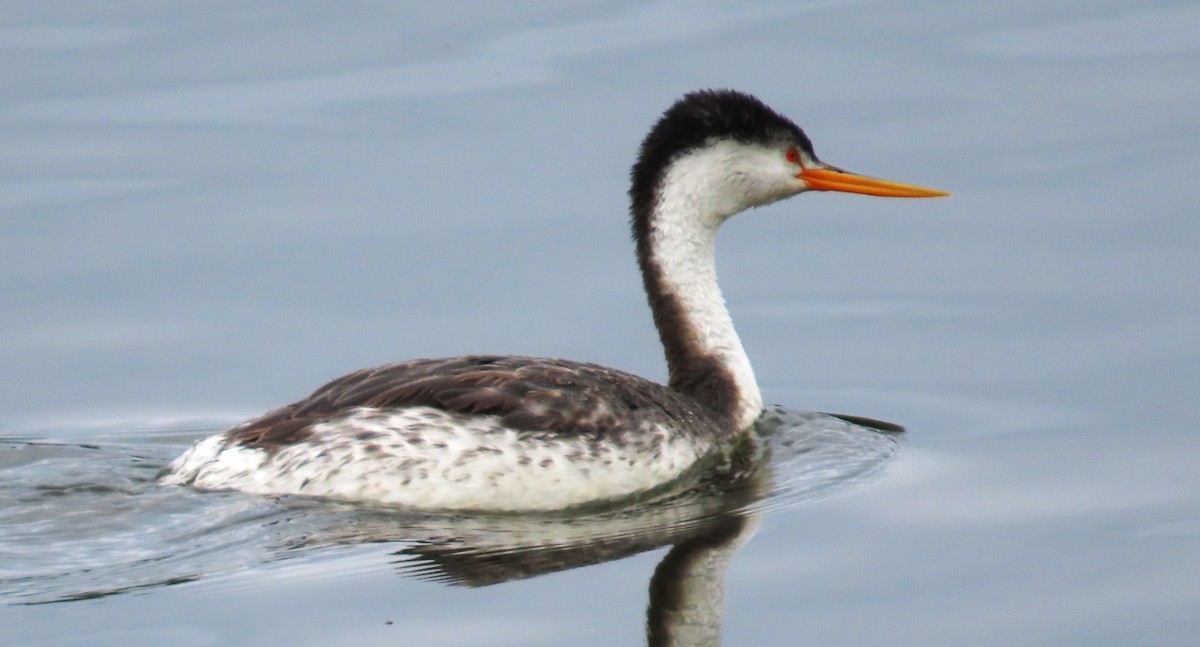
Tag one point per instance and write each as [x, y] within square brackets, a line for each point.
[728, 151]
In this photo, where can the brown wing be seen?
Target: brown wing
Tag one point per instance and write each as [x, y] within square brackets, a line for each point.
[526, 393]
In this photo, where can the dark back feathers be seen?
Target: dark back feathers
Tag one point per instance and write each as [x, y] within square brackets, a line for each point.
[525, 393]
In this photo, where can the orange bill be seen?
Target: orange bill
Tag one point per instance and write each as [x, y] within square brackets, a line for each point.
[835, 179]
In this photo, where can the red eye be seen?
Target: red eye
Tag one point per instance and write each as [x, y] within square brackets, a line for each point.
[793, 155]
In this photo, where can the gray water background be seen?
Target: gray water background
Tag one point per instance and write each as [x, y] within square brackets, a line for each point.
[207, 209]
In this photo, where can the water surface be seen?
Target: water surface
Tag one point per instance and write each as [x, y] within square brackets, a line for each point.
[208, 210]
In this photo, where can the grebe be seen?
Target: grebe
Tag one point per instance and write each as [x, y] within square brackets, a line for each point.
[495, 433]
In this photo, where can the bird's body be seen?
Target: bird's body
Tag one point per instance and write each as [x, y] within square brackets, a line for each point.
[478, 432]
[521, 433]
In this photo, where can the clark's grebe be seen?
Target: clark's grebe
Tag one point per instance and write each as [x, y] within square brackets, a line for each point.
[522, 433]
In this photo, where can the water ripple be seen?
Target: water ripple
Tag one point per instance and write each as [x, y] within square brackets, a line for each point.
[82, 520]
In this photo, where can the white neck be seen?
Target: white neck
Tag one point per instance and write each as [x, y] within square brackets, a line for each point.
[682, 245]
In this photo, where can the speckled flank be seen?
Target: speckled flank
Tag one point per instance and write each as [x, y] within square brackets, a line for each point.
[425, 458]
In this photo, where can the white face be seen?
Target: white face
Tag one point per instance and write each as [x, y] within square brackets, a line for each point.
[727, 177]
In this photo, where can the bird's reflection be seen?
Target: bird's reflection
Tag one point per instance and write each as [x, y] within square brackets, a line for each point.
[687, 590]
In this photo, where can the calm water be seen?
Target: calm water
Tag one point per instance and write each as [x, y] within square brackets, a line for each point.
[209, 209]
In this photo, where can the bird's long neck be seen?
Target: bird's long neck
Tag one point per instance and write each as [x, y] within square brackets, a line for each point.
[676, 235]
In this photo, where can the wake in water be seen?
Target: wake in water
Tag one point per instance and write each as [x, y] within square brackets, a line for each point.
[81, 515]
